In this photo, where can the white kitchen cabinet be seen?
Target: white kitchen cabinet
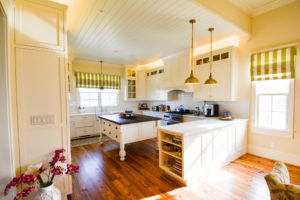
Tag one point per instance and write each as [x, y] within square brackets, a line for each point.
[177, 69]
[41, 83]
[224, 70]
[203, 147]
[84, 125]
[39, 25]
[155, 79]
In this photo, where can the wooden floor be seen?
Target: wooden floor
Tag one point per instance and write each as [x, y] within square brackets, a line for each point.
[103, 176]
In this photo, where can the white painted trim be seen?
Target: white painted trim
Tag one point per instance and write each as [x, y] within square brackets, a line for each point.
[5, 7]
[274, 154]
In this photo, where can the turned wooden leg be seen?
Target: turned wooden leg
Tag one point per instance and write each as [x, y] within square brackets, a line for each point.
[122, 152]
[101, 138]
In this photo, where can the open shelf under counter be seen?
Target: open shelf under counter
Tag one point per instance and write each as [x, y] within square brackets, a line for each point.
[170, 142]
[205, 147]
[170, 153]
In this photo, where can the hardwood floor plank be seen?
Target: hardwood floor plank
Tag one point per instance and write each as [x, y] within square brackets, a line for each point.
[103, 176]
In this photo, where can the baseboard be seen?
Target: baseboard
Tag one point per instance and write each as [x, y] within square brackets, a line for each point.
[293, 159]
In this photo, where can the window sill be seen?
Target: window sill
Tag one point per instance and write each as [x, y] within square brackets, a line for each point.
[272, 132]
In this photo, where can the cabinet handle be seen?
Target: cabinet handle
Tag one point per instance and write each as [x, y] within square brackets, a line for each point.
[109, 124]
[109, 133]
[103, 122]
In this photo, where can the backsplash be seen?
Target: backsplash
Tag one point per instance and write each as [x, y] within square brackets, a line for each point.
[238, 109]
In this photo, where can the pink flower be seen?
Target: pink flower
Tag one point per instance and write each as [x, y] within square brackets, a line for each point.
[72, 169]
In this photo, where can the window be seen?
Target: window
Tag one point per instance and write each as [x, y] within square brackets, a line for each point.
[109, 98]
[89, 97]
[273, 107]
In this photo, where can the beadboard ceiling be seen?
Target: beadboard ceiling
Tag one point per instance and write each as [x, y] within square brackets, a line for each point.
[256, 7]
[137, 31]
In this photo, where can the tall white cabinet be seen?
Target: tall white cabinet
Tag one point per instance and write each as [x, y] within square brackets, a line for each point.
[41, 83]
[224, 70]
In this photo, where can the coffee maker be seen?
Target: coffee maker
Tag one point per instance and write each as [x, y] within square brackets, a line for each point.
[211, 110]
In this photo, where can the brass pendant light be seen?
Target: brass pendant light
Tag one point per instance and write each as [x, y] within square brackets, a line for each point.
[211, 80]
[101, 75]
[192, 79]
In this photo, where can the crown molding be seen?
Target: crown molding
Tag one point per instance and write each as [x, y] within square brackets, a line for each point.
[271, 6]
[254, 11]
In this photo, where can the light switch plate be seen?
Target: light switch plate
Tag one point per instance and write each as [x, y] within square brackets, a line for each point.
[42, 120]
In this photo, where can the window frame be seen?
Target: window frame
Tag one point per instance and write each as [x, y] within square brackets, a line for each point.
[99, 97]
[288, 132]
[79, 98]
[117, 92]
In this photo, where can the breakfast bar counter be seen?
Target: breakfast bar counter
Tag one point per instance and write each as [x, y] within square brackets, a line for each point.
[127, 130]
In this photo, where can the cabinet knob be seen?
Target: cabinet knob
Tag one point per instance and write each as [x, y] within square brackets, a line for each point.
[109, 133]
[116, 136]
[103, 129]
[109, 125]
[116, 128]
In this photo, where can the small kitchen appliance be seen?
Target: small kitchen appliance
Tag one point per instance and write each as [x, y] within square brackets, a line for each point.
[211, 110]
[143, 106]
[155, 108]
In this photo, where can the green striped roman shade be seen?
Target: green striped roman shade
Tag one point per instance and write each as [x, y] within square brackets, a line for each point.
[272, 65]
[94, 80]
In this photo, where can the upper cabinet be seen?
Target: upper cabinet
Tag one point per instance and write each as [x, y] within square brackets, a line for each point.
[155, 79]
[224, 70]
[145, 84]
[131, 83]
[177, 69]
[39, 25]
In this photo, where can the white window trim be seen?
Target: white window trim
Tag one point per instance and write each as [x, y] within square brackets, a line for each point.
[99, 99]
[118, 99]
[288, 133]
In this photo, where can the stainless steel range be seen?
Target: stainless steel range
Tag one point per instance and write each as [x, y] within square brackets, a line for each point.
[174, 117]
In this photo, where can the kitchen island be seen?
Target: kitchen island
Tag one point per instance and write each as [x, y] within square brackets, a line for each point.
[127, 130]
[190, 150]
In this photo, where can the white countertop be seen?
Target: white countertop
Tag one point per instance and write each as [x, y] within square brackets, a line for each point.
[200, 126]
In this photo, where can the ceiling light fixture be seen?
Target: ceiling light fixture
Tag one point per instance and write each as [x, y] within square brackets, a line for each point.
[211, 80]
[101, 76]
[192, 79]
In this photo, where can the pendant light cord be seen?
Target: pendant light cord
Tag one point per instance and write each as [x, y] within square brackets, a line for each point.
[192, 56]
[101, 66]
[211, 51]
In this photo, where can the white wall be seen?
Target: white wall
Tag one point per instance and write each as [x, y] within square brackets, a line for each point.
[271, 29]
[6, 147]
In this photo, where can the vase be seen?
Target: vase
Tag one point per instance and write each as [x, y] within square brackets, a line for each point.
[47, 193]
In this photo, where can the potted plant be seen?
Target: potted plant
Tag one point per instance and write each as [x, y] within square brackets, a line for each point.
[39, 176]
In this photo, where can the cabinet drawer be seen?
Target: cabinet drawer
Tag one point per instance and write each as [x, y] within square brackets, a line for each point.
[84, 131]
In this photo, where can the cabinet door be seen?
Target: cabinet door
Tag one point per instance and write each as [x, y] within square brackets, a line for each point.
[41, 90]
[201, 91]
[220, 154]
[147, 130]
[39, 25]
[222, 73]
[241, 138]
[141, 85]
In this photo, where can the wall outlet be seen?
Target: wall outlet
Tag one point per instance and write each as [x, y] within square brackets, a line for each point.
[272, 145]
[43, 120]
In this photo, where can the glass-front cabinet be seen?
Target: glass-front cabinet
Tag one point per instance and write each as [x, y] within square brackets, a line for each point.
[131, 83]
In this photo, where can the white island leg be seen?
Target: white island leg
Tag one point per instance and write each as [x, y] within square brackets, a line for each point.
[101, 133]
[122, 152]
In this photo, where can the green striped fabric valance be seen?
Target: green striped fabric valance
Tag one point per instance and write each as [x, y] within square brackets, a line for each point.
[94, 80]
[275, 64]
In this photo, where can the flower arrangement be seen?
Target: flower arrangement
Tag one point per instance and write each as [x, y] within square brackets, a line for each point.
[33, 175]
